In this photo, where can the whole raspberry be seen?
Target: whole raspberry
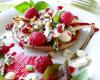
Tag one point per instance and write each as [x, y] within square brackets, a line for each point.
[42, 62]
[31, 12]
[37, 38]
[67, 18]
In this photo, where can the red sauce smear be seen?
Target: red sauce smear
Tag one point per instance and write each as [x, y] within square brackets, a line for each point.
[20, 62]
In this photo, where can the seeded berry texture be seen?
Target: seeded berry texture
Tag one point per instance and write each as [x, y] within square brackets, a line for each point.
[37, 38]
[30, 13]
[66, 18]
[41, 63]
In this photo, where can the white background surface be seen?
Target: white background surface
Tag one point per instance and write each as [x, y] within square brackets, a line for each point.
[93, 47]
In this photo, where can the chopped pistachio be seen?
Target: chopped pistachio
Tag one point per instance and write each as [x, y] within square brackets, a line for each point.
[29, 68]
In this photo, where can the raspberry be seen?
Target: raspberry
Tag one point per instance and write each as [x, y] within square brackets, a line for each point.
[67, 18]
[42, 62]
[30, 13]
[37, 38]
[60, 7]
[71, 69]
[96, 29]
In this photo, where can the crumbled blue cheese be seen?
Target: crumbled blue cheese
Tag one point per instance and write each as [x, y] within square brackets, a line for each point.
[55, 13]
[31, 76]
[46, 15]
[38, 22]
[81, 62]
[56, 33]
[10, 76]
[65, 37]
[81, 53]
[21, 24]
[36, 27]
[67, 53]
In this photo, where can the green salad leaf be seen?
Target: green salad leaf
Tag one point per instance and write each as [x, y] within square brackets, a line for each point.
[41, 5]
[50, 70]
[23, 7]
[26, 5]
[82, 76]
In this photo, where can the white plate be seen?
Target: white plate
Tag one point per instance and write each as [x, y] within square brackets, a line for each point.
[92, 48]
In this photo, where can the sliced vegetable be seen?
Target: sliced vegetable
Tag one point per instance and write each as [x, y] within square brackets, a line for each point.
[22, 7]
[50, 71]
[41, 5]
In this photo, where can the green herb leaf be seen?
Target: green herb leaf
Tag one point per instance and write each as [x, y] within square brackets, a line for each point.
[56, 19]
[82, 76]
[32, 3]
[41, 5]
[55, 44]
[22, 7]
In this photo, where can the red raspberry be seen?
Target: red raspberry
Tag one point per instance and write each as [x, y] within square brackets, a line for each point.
[60, 7]
[71, 69]
[96, 29]
[37, 38]
[30, 13]
[66, 18]
[41, 63]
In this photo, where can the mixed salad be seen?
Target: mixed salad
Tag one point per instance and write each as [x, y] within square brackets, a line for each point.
[44, 28]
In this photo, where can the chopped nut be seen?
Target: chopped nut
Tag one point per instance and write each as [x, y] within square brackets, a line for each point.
[46, 15]
[31, 30]
[33, 19]
[51, 54]
[36, 27]
[38, 22]
[47, 23]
